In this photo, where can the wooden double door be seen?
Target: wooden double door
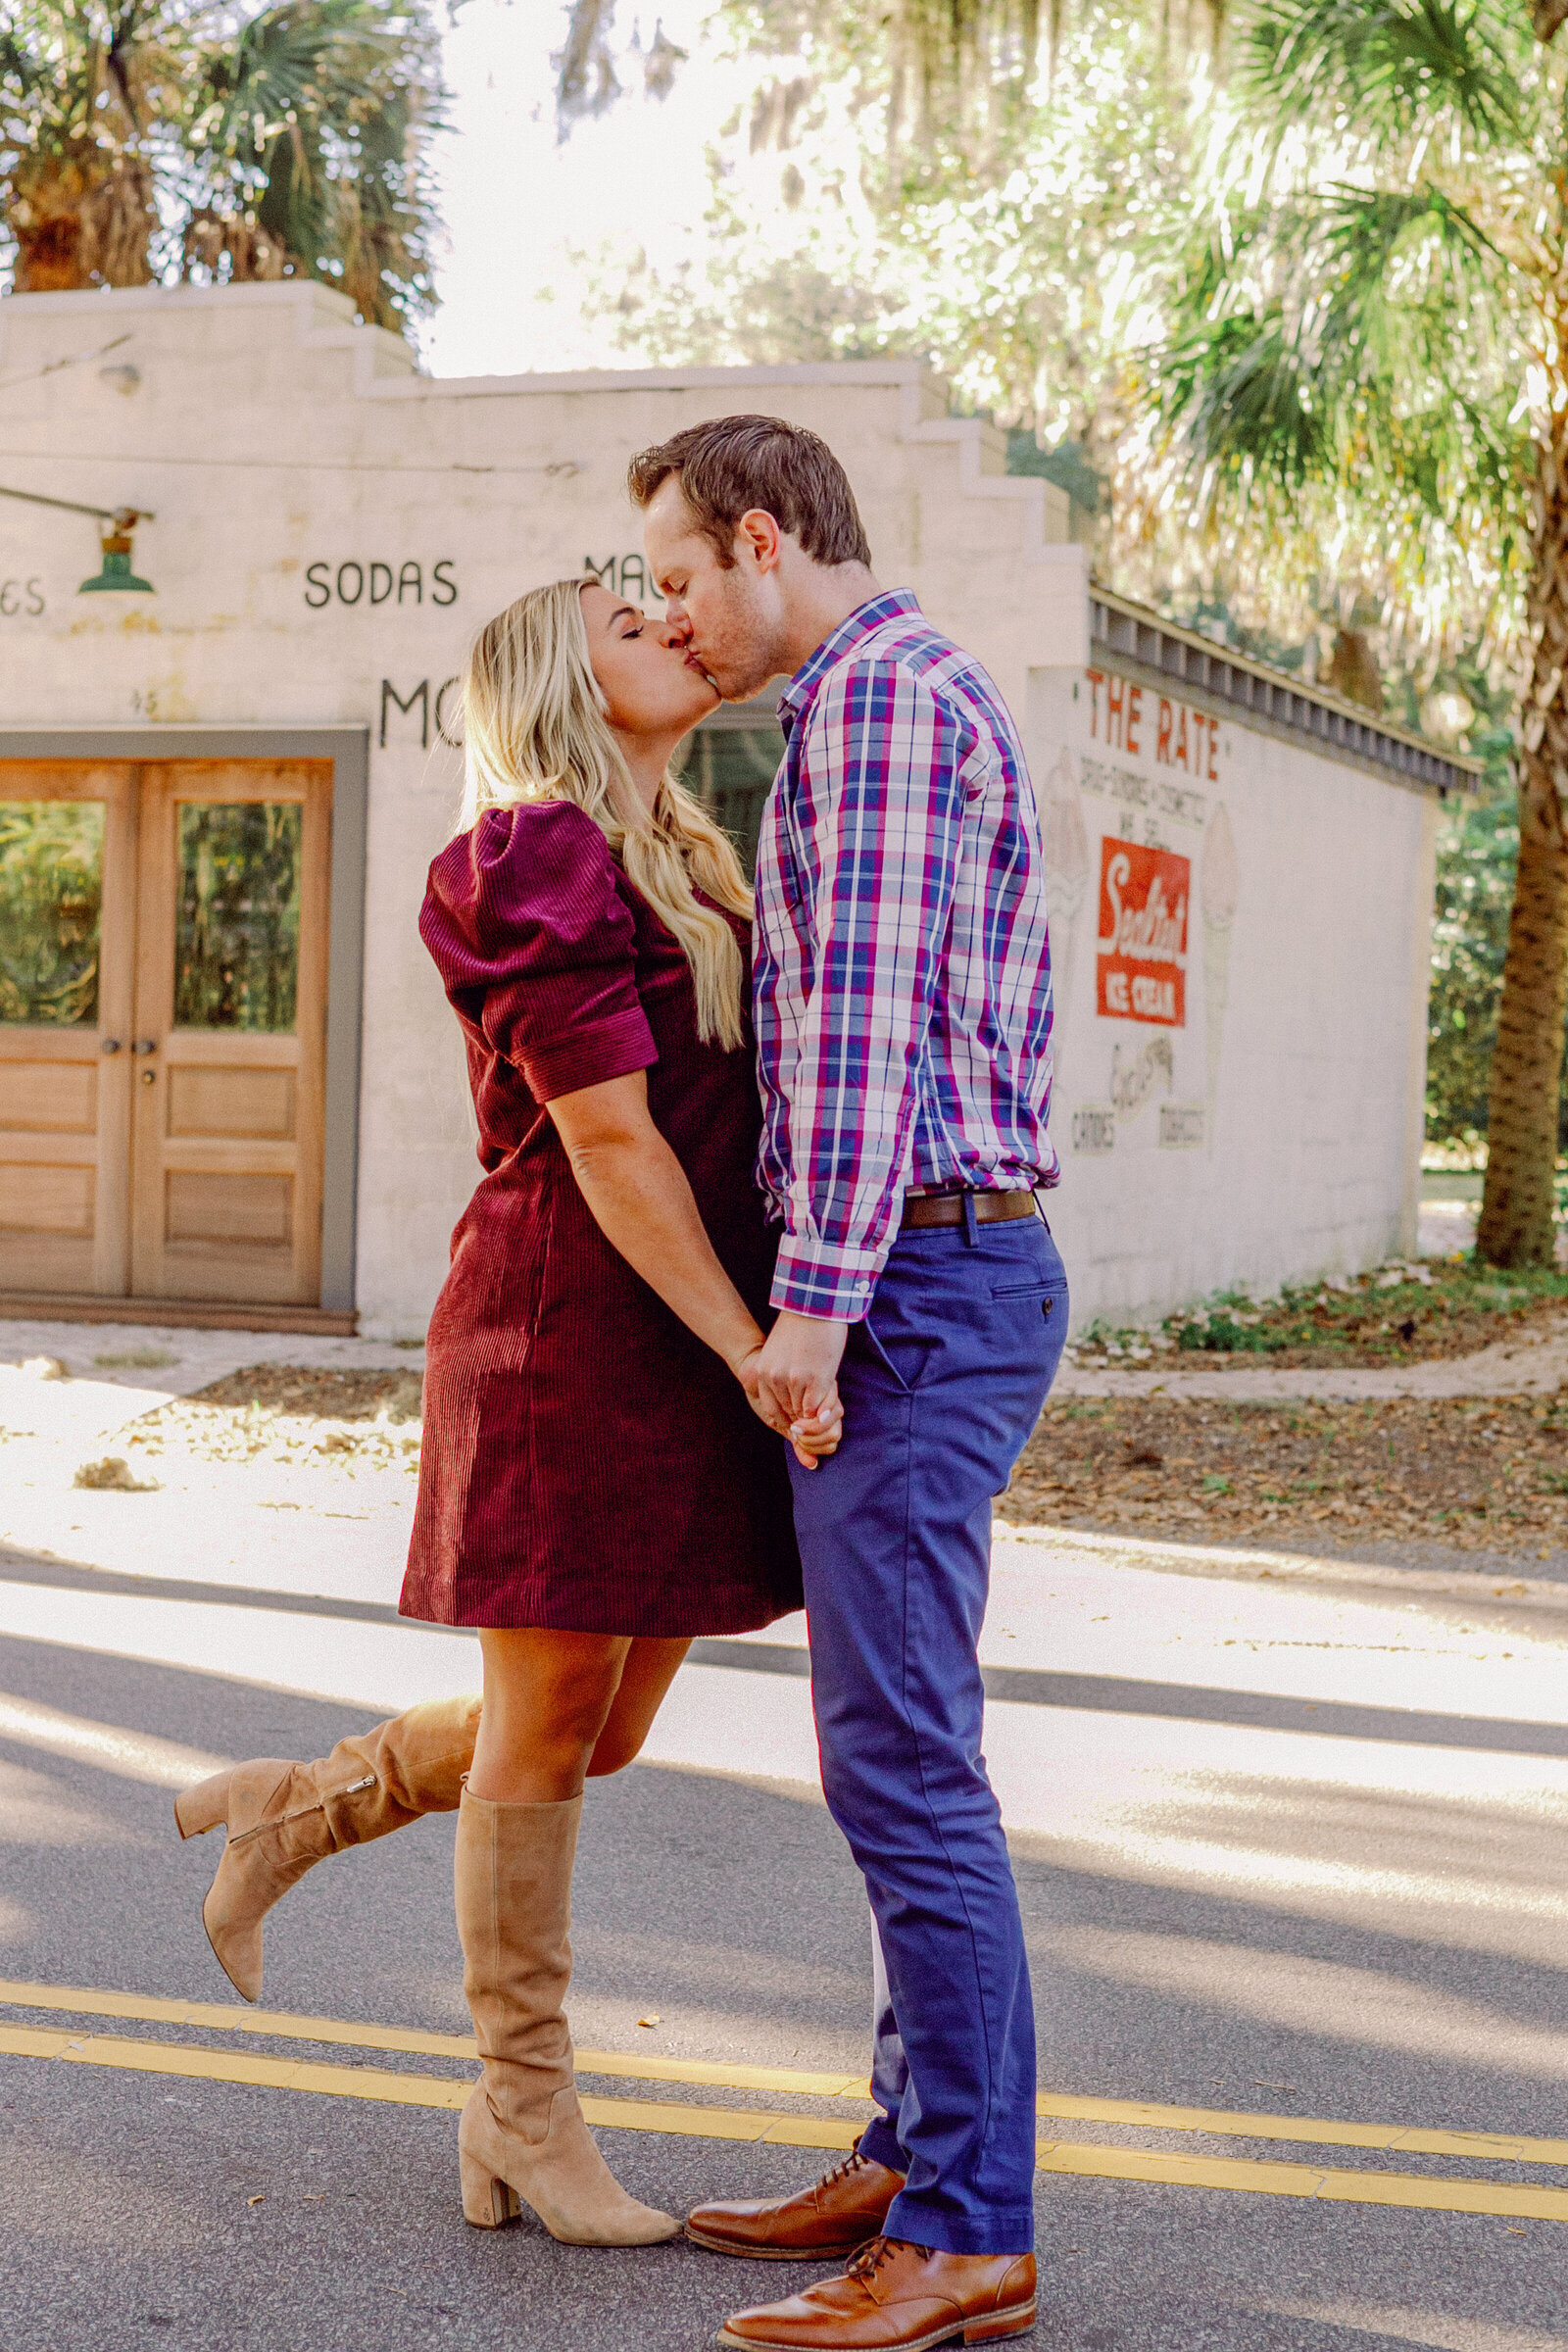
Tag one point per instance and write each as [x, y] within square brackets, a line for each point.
[163, 1028]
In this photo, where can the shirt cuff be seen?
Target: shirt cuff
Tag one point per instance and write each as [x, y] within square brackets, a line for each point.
[825, 1278]
[601, 1050]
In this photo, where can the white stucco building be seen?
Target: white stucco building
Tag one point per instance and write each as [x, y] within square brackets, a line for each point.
[228, 1082]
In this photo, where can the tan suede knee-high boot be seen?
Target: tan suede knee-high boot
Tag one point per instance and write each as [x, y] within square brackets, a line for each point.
[522, 2133]
[283, 1818]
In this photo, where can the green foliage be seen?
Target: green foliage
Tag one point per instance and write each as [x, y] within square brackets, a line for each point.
[312, 130]
[1066, 465]
[149, 138]
[1395, 69]
[915, 180]
[1443, 1308]
[1332, 337]
[1353, 325]
[51, 893]
[237, 927]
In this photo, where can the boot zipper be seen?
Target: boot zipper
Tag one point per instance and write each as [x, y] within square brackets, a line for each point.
[305, 1811]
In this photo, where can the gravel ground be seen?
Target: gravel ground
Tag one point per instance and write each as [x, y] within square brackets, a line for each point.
[1471, 1474]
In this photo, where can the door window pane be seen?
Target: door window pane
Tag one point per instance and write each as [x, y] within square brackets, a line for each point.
[731, 769]
[51, 901]
[237, 922]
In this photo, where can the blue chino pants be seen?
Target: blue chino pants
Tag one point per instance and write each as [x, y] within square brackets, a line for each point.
[941, 1385]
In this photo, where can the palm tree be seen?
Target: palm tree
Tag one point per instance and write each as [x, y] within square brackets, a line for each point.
[289, 143]
[79, 87]
[1373, 336]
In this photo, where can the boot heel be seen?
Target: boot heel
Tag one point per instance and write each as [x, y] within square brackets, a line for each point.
[488, 2203]
[199, 1809]
[1016, 2322]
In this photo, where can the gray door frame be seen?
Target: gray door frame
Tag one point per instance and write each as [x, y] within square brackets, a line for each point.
[349, 750]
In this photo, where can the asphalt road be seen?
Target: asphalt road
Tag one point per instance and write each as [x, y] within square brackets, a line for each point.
[1289, 1845]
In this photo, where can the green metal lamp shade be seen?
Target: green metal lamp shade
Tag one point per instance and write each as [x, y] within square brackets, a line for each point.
[116, 540]
[116, 571]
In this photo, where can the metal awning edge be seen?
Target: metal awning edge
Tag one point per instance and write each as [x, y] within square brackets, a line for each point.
[1310, 714]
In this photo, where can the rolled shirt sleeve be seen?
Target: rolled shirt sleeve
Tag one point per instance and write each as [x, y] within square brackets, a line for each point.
[875, 836]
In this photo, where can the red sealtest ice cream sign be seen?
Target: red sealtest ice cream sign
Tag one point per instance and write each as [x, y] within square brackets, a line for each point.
[1140, 969]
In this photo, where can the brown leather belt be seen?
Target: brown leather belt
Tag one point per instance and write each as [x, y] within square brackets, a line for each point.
[947, 1208]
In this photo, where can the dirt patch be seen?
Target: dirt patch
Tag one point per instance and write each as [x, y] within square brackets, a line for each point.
[292, 1413]
[1402, 1315]
[1472, 1475]
[330, 1395]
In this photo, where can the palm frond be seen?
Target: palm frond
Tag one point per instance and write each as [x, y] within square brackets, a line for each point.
[307, 141]
[1343, 340]
[1391, 65]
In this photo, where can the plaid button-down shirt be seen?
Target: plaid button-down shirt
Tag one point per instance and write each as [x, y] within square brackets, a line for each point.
[901, 965]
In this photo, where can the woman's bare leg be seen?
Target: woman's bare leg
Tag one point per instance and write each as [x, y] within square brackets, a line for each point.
[546, 1698]
[282, 1817]
[560, 1708]
[650, 1669]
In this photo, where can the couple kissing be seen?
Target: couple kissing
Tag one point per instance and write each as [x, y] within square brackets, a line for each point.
[754, 1303]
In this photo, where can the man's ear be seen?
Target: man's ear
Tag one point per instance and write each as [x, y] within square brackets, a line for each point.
[758, 535]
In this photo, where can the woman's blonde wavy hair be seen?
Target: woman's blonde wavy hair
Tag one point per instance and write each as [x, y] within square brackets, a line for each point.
[535, 728]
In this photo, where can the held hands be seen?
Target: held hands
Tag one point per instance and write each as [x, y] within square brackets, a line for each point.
[792, 1383]
[809, 1434]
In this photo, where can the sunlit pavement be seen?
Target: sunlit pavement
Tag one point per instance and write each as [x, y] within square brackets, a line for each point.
[1290, 1841]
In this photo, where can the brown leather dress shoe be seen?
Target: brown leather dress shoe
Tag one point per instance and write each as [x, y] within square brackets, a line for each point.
[895, 2297]
[844, 2208]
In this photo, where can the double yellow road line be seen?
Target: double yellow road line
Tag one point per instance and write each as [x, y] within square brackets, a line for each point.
[1087, 2159]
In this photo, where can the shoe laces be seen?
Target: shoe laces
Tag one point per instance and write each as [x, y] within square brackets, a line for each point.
[871, 2258]
[854, 2162]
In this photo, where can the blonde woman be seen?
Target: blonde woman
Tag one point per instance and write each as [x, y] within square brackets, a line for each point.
[595, 1488]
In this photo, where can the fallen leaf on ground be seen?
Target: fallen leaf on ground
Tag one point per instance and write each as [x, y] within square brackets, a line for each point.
[114, 1473]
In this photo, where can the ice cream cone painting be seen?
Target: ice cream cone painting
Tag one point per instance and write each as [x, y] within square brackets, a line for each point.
[1218, 885]
[1066, 839]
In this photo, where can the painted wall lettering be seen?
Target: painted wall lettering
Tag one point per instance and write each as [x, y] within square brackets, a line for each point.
[1093, 1128]
[1183, 1126]
[20, 596]
[624, 576]
[1187, 739]
[420, 696]
[1121, 712]
[1140, 969]
[1115, 711]
[379, 583]
[429, 708]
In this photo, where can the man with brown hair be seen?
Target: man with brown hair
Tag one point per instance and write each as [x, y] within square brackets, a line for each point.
[903, 1001]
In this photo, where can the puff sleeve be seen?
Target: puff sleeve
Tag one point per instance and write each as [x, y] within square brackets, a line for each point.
[538, 948]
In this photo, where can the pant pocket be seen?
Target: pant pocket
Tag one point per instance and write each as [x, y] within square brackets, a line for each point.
[902, 1357]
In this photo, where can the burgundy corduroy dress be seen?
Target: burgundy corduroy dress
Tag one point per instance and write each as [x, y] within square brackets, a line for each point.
[588, 1464]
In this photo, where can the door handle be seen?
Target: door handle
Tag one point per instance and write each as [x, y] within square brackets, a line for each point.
[144, 1044]
[111, 1045]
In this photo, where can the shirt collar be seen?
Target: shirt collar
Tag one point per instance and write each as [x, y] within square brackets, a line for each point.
[862, 622]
